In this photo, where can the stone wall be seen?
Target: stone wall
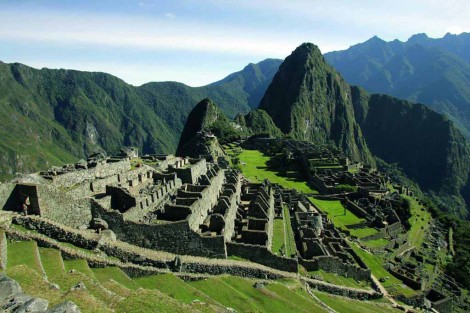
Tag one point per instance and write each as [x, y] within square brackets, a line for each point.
[138, 256]
[406, 279]
[100, 171]
[3, 251]
[335, 265]
[190, 173]
[60, 207]
[355, 209]
[228, 269]
[210, 195]
[234, 200]
[150, 202]
[175, 237]
[443, 306]
[6, 192]
[261, 255]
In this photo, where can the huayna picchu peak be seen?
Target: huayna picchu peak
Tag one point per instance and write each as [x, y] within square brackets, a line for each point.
[224, 166]
[309, 100]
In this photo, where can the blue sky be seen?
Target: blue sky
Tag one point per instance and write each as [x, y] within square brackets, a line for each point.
[201, 41]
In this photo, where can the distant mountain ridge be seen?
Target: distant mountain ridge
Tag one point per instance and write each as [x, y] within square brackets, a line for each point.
[435, 72]
[50, 117]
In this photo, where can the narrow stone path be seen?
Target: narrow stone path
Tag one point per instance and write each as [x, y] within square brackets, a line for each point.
[383, 290]
[321, 303]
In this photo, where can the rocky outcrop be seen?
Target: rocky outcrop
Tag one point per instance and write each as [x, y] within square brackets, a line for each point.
[12, 299]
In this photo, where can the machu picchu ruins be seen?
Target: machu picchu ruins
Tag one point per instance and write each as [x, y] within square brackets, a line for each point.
[156, 214]
[190, 179]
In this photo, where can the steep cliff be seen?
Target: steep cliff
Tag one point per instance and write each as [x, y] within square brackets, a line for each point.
[309, 100]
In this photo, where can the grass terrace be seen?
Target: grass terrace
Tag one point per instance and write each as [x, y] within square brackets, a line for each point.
[340, 280]
[419, 221]
[254, 166]
[283, 235]
[375, 264]
[342, 304]
[342, 217]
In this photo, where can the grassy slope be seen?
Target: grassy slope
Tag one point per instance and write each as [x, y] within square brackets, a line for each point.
[375, 264]
[283, 236]
[341, 304]
[419, 222]
[48, 115]
[336, 212]
[291, 248]
[239, 294]
[173, 287]
[254, 167]
[278, 237]
[340, 280]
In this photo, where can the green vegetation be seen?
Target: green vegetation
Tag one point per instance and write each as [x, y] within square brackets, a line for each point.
[419, 221]
[376, 266]
[290, 247]
[341, 304]
[239, 294]
[441, 172]
[51, 117]
[340, 280]
[258, 122]
[253, 165]
[376, 243]
[172, 286]
[108, 273]
[278, 237]
[336, 212]
[24, 253]
[342, 217]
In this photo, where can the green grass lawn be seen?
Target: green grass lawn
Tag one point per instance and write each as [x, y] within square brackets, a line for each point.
[239, 294]
[363, 232]
[172, 286]
[52, 262]
[278, 237]
[290, 247]
[340, 280]
[336, 212]
[342, 217]
[347, 305]
[111, 272]
[419, 222]
[377, 243]
[24, 253]
[253, 164]
[150, 301]
[79, 265]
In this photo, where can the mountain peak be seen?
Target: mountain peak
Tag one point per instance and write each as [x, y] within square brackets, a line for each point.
[308, 49]
[308, 100]
[375, 39]
[418, 38]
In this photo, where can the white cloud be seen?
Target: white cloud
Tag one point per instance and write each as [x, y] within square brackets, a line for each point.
[170, 15]
[138, 33]
[389, 19]
[455, 29]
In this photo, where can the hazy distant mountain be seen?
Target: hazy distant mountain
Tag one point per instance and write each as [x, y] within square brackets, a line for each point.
[435, 72]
